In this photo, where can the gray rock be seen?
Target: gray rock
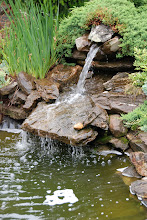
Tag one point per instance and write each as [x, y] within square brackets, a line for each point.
[14, 112]
[119, 143]
[118, 65]
[139, 160]
[6, 90]
[117, 82]
[139, 188]
[100, 33]
[138, 141]
[57, 121]
[31, 101]
[17, 98]
[118, 102]
[82, 43]
[111, 46]
[48, 90]
[130, 172]
[25, 82]
[65, 75]
[116, 126]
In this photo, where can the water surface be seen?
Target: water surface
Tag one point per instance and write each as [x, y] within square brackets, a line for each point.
[33, 171]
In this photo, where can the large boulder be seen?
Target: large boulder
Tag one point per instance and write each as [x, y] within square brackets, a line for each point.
[25, 82]
[57, 120]
[138, 141]
[116, 126]
[100, 33]
[139, 160]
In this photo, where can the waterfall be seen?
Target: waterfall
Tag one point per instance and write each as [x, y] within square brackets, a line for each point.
[90, 56]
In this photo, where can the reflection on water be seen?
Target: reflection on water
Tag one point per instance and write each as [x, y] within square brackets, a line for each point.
[42, 179]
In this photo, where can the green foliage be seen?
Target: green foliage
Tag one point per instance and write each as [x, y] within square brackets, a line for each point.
[123, 16]
[30, 44]
[137, 118]
[138, 3]
[4, 78]
[144, 88]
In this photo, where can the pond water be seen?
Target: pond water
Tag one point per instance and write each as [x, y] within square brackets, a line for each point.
[42, 179]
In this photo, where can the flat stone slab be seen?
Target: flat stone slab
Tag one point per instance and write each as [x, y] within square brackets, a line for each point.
[57, 120]
[6, 90]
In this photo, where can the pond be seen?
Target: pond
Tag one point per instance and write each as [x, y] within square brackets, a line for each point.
[44, 179]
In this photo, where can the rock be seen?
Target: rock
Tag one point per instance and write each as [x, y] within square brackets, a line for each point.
[139, 188]
[118, 102]
[57, 120]
[79, 55]
[116, 126]
[13, 112]
[1, 118]
[25, 82]
[65, 75]
[117, 83]
[111, 46]
[32, 101]
[139, 160]
[100, 33]
[17, 98]
[121, 143]
[118, 65]
[138, 141]
[99, 118]
[131, 172]
[48, 90]
[78, 126]
[6, 90]
[82, 43]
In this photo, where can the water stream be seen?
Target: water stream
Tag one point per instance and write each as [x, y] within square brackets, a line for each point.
[90, 56]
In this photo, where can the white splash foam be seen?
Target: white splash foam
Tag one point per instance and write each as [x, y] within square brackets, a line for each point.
[61, 197]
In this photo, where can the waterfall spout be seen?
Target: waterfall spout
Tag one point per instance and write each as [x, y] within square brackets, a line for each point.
[90, 56]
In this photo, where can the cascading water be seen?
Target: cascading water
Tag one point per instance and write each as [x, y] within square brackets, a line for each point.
[90, 56]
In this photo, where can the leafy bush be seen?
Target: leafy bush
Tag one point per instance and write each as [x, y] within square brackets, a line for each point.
[138, 3]
[137, 118]
[31, 40]
[122, 15]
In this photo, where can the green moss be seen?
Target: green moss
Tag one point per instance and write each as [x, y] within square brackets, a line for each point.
[104, 139]
[124, 140]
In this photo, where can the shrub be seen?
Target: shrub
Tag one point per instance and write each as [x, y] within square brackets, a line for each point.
[122, 15]
[137, 118]
[31, 40]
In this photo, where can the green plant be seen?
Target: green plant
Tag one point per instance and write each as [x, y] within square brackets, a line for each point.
[4, 74]
[31, 40]
[137, 118]
[122, 16]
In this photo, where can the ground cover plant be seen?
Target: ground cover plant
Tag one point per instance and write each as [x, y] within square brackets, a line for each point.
[30, 43]
[123, 16]
[137, 119]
